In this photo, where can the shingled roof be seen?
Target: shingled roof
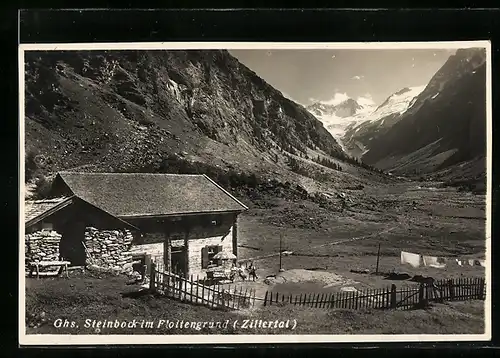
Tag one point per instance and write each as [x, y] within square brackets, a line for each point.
[35, 210]
[142, 194]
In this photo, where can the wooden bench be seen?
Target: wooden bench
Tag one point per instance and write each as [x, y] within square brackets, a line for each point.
[61, 264]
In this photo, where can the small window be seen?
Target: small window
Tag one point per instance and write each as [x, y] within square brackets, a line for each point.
[207, 256]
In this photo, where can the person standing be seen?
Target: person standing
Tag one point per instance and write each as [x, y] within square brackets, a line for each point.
[253, 272]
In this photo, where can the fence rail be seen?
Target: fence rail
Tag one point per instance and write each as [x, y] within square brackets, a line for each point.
[461, 289]
[194, 291]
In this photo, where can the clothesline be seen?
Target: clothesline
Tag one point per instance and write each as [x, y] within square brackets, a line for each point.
[417, 260]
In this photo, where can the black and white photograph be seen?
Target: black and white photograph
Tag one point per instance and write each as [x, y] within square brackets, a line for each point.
[255, 192]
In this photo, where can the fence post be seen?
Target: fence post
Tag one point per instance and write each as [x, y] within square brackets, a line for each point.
[481, 289]
[452, 289]
[265, 298]
[421, 301]
[393, 296]
[152, 277]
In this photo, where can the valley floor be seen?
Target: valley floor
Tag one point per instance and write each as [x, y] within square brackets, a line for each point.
[413, 217]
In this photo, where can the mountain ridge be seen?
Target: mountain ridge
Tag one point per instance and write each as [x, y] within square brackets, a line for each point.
[444, 128]
[172, 91]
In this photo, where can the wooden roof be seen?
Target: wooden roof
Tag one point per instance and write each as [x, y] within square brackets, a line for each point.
[36, 210]
[128, 195]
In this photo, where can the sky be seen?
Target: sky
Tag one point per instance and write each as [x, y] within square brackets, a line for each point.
[333, 75]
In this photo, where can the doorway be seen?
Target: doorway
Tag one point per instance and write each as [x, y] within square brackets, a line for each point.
[71, 245]
[178, 261]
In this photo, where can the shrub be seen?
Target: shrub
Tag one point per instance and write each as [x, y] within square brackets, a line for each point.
[30, 166]
[42, 188]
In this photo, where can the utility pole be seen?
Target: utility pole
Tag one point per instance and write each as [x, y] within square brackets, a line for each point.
[281, 238]
[378, 258]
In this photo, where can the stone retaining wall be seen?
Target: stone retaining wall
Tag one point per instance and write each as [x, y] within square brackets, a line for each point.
[41, 245]
[109, 249]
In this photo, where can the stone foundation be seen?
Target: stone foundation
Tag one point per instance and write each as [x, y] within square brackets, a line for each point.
[108, 249]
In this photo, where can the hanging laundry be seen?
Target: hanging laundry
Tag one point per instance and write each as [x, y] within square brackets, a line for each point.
[433, 261]
[471, 262]
[410, 259]
[441, 260]
[482, 263]
[458, 262]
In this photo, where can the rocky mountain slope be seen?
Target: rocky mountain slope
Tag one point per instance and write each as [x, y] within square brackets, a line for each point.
[173, 111]
[126, 107]
[444, 131]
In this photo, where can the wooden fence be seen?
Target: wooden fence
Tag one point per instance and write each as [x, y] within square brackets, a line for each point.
[193, 290]
[409, 297]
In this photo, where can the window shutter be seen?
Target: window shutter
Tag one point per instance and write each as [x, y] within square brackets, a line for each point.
[219, 248]
[204, 257]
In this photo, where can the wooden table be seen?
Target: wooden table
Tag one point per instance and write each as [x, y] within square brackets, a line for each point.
[60, 264]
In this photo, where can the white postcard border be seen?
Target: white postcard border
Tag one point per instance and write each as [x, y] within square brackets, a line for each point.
[67, 339]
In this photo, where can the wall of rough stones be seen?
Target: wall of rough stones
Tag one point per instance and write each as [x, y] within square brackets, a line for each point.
[42, 245]
[109, 249]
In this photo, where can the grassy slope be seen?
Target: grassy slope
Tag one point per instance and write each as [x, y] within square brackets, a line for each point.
[82, 297]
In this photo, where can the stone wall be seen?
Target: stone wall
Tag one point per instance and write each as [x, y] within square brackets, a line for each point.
[155, 250]
[109, 249]
[41, 245]
[195, 247]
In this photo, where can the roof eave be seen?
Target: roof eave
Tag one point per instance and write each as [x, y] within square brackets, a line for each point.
[226, 192]
[108, 213]
[152, 216]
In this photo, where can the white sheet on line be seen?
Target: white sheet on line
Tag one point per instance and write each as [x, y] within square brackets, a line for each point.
[433, 261]
[410, 259]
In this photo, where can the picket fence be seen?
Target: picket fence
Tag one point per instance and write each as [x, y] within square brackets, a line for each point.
[193, 290]
[408, 297]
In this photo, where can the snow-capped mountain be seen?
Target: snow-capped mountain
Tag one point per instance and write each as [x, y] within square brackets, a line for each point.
[396, 103]
[358, 136]
[347, 108]
[336, 118]
[350, 117]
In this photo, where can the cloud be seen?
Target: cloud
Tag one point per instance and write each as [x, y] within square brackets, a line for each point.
[337, 98]
[357, 77]
[366, 100]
